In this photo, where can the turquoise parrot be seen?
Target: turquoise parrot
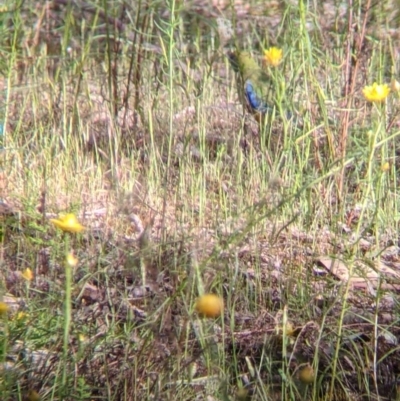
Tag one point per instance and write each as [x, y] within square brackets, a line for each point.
[254, 86]
[256, 90]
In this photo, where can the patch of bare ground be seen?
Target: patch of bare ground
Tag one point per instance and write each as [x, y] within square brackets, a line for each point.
[144, 285]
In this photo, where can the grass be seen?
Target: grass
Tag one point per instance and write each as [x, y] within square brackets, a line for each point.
[130, 119]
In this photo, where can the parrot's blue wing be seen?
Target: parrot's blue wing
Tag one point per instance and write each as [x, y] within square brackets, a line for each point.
[256, 103]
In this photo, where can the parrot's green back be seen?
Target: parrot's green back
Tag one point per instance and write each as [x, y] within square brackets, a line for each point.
[248, 67]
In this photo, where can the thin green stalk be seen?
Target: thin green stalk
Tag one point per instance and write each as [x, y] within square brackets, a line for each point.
[67, 309]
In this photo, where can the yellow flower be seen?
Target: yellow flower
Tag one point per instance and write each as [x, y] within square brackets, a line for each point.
[33, 395]
[21, 316]
[209, 305]
[376, 93]
[68, 223]
[3, 308]
[27, 274]
[243, 394]
[72, 260]
[385, 167]
[289, 329]
[307, 374]
[273, 56]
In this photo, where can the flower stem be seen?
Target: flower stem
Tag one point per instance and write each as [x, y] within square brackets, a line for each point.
[67, 310]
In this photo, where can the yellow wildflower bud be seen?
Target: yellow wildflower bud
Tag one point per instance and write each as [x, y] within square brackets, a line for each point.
[385, 167]
[21, 316]
[3, 308]
[33, 395]
[210, 305]
[27, 274]
[289, 328]
[307, 374]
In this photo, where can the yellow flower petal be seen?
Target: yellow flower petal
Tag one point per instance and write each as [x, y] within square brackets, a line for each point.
[210, 305]
[273, 56]
[3, 308]
[376, 93]
[68, 223]
[27, 274]
[21, 316]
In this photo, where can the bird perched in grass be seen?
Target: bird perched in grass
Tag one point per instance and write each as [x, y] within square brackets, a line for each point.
[255, 88]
